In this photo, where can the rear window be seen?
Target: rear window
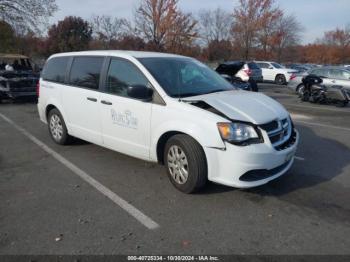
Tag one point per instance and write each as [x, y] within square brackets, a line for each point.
[253, 65]
[85, 72]
[55, 69]
[278, 66]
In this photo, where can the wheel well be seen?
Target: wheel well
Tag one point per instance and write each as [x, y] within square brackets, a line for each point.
[162, 142]
[48, 109]
[280, 75]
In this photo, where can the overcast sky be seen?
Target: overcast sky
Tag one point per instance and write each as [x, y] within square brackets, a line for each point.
[316, 16]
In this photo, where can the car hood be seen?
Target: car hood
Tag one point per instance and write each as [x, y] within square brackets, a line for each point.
[244, 106]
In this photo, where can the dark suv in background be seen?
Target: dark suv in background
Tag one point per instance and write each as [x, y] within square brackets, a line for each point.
[239, 72]
[17, 77]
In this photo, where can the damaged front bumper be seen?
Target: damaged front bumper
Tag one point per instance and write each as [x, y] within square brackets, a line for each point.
[249, 166]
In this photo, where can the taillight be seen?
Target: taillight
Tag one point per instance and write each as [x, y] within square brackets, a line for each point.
[293, 76]
[248, 72]
[38, 89]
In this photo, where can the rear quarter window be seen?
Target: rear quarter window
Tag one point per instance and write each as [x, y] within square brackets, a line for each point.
[253, 65]
[55, 69]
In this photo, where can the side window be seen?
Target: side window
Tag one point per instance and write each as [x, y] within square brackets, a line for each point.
[55, 69]
[346, 75]
[263, 65]
[339, 74]
[121, 75]
[86, 71]
[315, 72]
[320, 72]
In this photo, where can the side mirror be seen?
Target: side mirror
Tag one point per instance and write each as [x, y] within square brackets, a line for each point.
[140, 92]
[270, 67]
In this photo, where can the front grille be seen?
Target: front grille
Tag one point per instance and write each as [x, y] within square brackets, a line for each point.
[270, 126]
[280, 132]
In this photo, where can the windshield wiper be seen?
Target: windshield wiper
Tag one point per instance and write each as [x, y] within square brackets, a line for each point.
[217, 91]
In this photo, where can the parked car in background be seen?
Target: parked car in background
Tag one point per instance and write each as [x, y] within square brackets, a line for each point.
[331, 76]
[17, 77]
[274, 72]
[241, 74]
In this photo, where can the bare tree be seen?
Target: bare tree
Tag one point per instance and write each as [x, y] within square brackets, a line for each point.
[339, 41]
[287, 34]
[28, 14]
[215, 25]
[108, 29]
[269, 24]
[249, 19]
[161, 22]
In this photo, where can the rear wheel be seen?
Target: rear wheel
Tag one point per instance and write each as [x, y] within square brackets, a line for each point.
[186, 163]
[57, 128]
[280, 80]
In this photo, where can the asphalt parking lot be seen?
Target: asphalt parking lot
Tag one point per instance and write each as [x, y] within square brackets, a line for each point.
[46, 208]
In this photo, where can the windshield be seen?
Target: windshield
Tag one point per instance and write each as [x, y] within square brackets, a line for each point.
[278, 66]
[183, 77]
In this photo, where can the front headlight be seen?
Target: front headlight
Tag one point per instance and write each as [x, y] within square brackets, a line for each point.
[238, 133]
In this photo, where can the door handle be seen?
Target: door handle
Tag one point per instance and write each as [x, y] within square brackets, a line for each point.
[91, 99]
[106, 102]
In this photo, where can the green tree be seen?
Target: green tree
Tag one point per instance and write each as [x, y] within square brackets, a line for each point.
[71, 34]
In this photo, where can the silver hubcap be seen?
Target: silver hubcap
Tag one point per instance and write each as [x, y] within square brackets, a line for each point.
[177, 164]
[56, 127]
[301, 90]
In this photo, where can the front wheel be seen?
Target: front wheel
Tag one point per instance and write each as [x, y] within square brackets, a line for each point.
[186, 163]
[57, 128]
[300, 90]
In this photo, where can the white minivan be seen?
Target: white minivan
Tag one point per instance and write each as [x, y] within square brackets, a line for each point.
[169, 109]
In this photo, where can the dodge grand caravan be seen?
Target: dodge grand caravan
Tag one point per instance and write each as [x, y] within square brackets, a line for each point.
[168, 109]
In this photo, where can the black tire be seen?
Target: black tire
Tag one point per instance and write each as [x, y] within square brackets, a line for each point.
[280, 80]
[197, 164]
[64, 138]
[299, 90]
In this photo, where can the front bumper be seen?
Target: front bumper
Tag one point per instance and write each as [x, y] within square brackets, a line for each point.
[16, 94]
[249, 166]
